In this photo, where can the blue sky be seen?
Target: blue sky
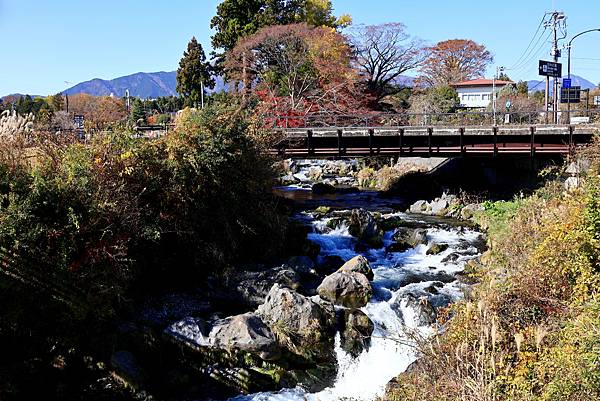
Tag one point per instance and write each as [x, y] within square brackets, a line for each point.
[45, 43]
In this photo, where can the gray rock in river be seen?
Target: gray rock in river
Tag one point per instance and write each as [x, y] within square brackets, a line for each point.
[358, 264]
[419, 206]
[250, 288]
[247, 333]
[436, 249]
[352, 290]
[355, 331]
[303, 326]
[321, 188]
[423, 312]
[363, 226]
[439, 207]
[410, 237]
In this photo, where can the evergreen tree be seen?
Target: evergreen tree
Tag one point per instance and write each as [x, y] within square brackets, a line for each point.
[57, 102]
[193, 72]
[138, 114]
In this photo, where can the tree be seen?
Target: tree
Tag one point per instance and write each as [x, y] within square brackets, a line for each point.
[138, 114]
[383, 53]
[522, 88]
[98, 111]
[236, 19]
[437, 99]
[294, 67]
[56, 102]
[193, 73]
[454, 61]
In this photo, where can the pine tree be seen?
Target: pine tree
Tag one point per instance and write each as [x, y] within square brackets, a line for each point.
[193, 72]
[137, 112]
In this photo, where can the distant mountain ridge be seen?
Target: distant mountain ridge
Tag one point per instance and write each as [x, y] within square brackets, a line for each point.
[540, 84]
[164, 83]
[141, 84]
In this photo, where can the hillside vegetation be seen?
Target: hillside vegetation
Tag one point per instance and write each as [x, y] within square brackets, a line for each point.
[530, 330]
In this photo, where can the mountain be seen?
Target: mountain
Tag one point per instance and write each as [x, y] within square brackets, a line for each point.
[576, 80]
[141, 84]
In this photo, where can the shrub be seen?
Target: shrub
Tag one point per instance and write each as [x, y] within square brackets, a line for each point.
[528, 331]
[100, 216]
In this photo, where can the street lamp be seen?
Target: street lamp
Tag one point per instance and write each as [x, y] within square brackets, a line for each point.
[569, 68]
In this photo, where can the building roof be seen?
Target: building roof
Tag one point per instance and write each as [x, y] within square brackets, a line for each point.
[481, 82]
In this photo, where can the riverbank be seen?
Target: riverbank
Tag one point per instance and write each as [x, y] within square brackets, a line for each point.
[529, 330]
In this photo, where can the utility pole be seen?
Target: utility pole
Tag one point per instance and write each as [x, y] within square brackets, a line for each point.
[557, 21]
[497, 76]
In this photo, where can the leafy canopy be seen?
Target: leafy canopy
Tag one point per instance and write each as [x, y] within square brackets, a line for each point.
[193, 73]
[236, 19]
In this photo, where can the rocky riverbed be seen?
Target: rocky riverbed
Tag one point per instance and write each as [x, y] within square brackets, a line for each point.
[336, 321]
[341, 324]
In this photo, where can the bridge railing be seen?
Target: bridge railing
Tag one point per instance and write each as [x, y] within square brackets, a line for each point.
[466, 118]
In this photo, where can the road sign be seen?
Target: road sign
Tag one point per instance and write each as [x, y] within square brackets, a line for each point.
[550, 69]
[596, 100]
[566, 83]
[78, 121]
[570, 95]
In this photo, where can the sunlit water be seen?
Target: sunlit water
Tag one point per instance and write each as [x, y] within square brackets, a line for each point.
[391, 350]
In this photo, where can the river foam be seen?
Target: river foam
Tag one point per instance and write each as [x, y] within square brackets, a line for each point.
[396, 319]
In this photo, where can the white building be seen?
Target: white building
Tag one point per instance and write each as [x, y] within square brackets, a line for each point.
[477, 93]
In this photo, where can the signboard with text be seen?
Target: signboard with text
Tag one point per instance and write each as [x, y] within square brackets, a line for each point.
[550, 69]
[570, 95]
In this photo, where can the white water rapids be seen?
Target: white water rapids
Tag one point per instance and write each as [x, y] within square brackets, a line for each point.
[390, 353]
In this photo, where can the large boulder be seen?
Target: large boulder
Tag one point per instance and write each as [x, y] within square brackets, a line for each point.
[355, 331]
[409, 237]
[363, 226]
[302, 325]
[247, 333]
[419, 206]
[321, 188]
[352, 290]
[415, 311]
[439, 207]
[358, 264]
[250, 288]
[436, 249]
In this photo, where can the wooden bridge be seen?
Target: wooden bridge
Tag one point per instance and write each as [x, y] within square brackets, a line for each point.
[312, 139]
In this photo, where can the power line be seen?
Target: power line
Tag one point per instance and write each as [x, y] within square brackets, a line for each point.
[530, 42]
[533, 54]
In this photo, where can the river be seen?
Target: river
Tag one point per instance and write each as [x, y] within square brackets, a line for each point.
[404, 284]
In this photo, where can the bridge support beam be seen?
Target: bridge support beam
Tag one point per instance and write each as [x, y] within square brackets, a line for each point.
[371, 134]
[532, 148]
[429, 137]
[461, 131]
[340, 147]
[309, 142]
[401, 140]
[495, 133]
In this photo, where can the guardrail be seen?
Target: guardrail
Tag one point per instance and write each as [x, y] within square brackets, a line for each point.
[467, 118]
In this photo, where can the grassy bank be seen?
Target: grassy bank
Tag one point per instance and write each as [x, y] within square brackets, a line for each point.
[530, 329]
[87, 230]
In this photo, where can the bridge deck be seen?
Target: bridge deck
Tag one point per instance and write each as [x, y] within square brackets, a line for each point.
[431, 141]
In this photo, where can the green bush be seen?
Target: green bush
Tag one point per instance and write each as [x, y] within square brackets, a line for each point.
[100, 216]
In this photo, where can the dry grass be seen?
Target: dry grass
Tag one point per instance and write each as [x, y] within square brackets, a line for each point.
[517, 336]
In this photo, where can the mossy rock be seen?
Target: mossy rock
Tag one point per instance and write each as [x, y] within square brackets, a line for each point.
[436, 249]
